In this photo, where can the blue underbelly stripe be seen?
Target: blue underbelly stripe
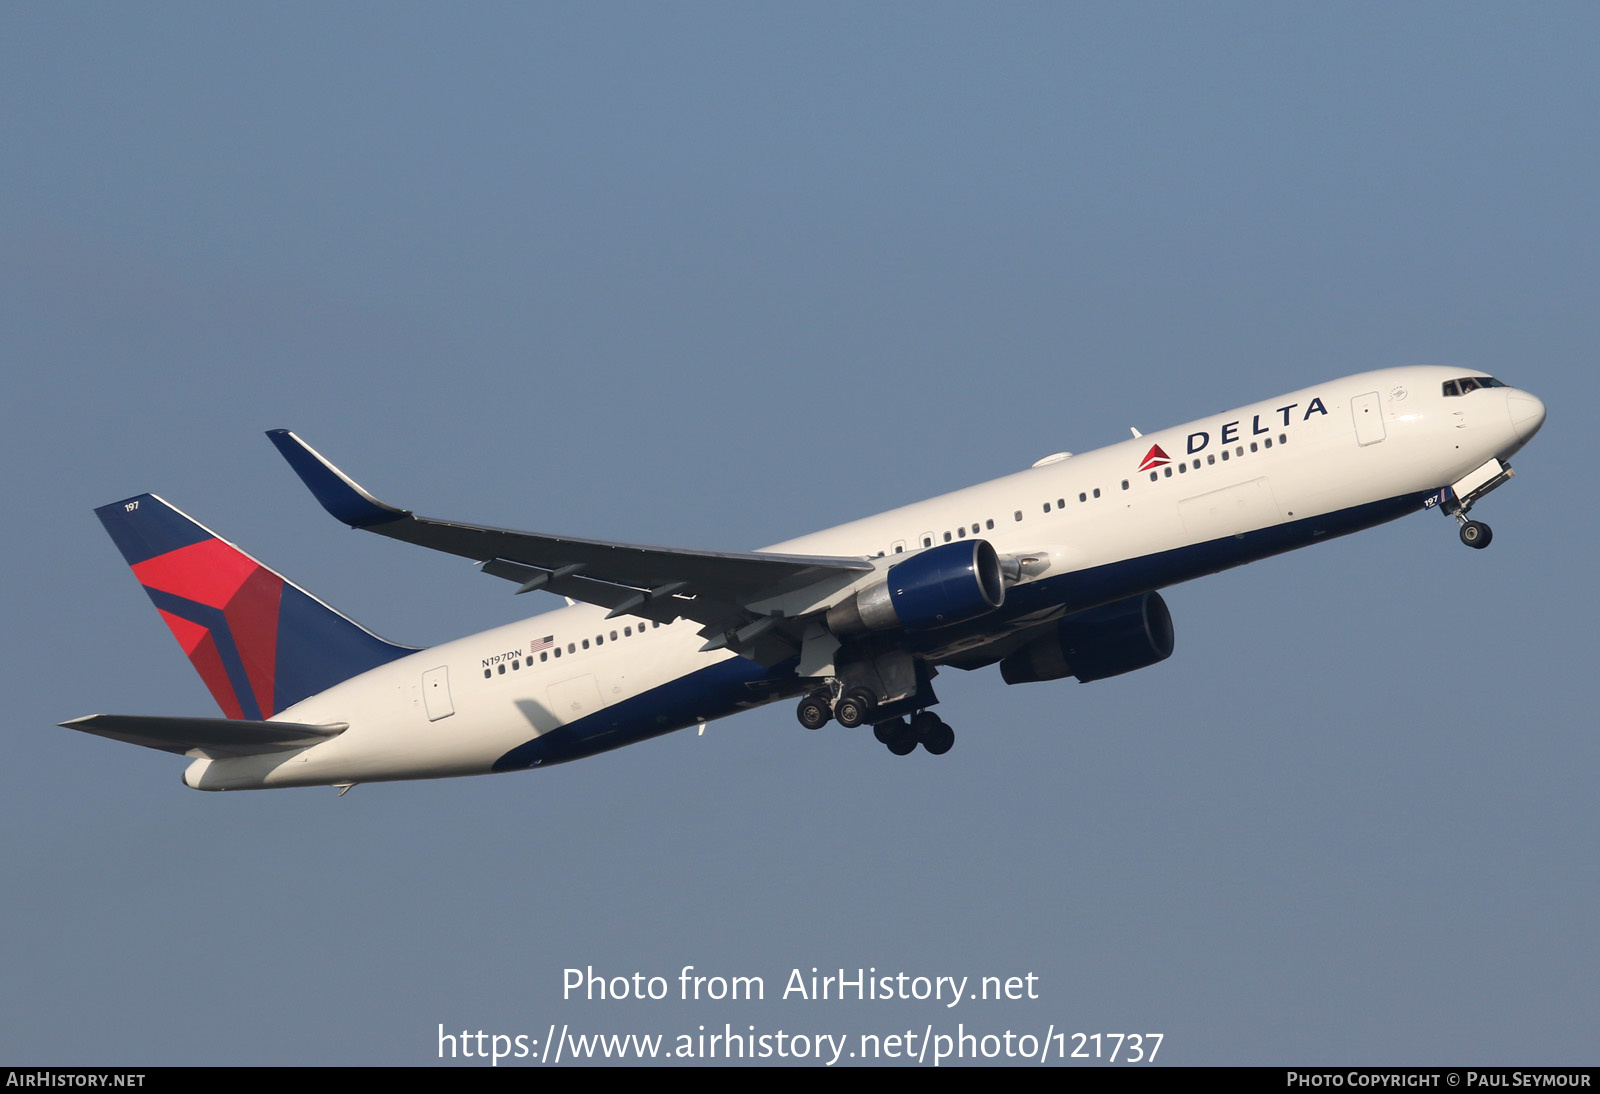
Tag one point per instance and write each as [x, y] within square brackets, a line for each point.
[723, 688]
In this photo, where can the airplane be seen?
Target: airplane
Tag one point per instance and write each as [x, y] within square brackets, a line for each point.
[1050, 572]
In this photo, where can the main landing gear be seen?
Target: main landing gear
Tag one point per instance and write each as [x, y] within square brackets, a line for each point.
[924, 728]
[857, 706]
[815, 710]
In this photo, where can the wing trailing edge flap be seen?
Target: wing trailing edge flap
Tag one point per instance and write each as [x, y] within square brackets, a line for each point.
[745, 601]
[207, 737]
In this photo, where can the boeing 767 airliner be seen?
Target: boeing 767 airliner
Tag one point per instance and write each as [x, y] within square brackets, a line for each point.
[1047, 573]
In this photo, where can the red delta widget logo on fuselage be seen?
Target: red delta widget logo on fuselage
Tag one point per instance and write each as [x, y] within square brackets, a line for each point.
[1156, 457]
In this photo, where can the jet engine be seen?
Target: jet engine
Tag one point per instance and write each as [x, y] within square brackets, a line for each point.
[947, 584]
[1105, 641]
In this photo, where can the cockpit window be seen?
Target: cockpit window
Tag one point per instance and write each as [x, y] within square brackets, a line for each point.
[1470, 383]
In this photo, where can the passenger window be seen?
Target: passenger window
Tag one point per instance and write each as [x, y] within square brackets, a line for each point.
[1224, 455]
[1283, 438]
[1211, 459]
[947, 537]
[1167, 471]
[1018, 514]
[989, 522]
[899, 550]
[961, 533]
[545, 656]
[1124, 484]
[1183, 468]
[1239, 451]
[1097, 491]
[1153, 476]
[1083, 497]
[927, 541]
[613, 636]
[487, 673]
[1252, 446]
[974, 529]
[502, 670]
[585, 643]
[1267, 442]
[1046, 507]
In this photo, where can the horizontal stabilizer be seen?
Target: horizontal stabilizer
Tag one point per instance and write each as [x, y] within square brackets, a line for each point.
[212, 737]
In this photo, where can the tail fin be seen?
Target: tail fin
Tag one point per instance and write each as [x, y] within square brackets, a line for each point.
[260, 643]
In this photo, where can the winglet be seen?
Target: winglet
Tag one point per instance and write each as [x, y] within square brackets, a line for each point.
[337, 492]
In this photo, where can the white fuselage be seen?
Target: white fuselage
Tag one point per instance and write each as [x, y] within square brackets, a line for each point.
[1320, 462]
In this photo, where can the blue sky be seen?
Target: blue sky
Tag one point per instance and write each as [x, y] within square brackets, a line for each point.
[718, 275]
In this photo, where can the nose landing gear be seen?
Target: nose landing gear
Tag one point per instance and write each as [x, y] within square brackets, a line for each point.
[1457, 500]
[1475, 533]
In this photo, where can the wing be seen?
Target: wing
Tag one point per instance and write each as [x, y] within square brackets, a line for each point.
[749, 602]
[212, 737]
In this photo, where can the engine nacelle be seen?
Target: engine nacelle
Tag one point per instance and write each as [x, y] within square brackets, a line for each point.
[1105, 641]
[950, 583]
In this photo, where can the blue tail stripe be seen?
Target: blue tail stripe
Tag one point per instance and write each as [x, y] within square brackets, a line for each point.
[214, 621]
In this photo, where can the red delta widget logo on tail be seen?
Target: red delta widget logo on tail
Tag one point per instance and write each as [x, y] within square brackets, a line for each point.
[217, 599]
[259, 642]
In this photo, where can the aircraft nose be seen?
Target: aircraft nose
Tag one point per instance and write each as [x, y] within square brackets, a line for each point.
[1527, 414]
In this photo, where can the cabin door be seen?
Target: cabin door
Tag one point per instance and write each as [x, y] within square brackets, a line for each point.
[1368, 413]
[436, 693]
